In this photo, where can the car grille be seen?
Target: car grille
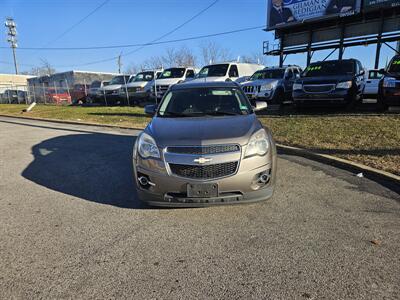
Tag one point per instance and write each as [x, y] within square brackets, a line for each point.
[214, 149]
[204, 172]
[251, 88]
[162, 88]
[318, 88]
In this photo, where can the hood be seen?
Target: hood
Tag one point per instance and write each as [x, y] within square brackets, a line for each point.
[137, 84]
[259, 82]
[203, 131]
[112, 87]
[168, 81]
[324, 79]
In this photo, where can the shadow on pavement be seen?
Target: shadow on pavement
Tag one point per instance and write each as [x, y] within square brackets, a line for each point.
[96, 167]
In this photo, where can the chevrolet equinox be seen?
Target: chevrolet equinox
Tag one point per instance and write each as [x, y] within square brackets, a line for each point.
[204, 146]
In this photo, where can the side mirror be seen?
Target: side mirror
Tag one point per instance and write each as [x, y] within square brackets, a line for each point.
[382, 71]
[362, 72]
[260, 105]
[150, 110]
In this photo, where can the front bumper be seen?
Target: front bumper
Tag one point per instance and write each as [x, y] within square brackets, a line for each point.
[391, 96]
[261, 96]
[171, 190]
[335, 97]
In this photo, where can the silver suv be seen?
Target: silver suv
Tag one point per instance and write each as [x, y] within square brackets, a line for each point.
[204, 146]
[273, 85]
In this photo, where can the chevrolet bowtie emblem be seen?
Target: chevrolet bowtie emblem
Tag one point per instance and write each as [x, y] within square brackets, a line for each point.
[202, 160]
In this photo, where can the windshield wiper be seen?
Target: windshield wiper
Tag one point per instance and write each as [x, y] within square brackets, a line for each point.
[179, 114]
[221, 113]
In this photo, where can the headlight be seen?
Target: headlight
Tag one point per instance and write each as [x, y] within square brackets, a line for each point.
[389, 82]
[147, 147]
[297, 86]
[258, 144]
[269, 86]
[344, 85]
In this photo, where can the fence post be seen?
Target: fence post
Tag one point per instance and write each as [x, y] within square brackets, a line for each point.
[44, 93]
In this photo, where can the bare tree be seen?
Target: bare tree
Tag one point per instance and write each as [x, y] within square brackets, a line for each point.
[183, 57]
[213, 53]
[254, 58]
[44, 69]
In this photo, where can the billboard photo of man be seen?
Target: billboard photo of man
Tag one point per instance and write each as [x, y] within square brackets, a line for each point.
[278, 14]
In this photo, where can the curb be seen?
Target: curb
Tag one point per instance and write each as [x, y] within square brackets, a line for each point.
[71, 122]
[385, 178]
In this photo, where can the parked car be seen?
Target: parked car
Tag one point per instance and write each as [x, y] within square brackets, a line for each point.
[110, 92]
[273, 85]
[58, 96]
[334, 82]
[94, 89]
[139, 87]
[79, 92]
[170, 77]
[389, 85]
[13, 96]
[371, 88]
[230, 71]
[204, 146]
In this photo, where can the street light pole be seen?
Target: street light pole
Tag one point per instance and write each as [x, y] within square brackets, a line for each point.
[12, 39]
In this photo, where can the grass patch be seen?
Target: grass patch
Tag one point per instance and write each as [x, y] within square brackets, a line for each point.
[370, 140]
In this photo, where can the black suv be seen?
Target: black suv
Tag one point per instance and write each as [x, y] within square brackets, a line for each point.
[389, 85]
[339, 82]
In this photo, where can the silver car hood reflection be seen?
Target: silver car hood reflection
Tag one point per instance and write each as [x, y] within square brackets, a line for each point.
[203, 130]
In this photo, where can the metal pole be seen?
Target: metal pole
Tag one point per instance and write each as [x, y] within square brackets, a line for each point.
[379, 44]
[126, 91]
[341, 50]
[281, 53]
[44, 93]
[15, 61]
[309, 55]
[155, 86]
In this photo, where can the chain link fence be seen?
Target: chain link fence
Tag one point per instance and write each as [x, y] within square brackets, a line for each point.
[24, 94]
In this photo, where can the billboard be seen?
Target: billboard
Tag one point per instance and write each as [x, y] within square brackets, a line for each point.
[283, 13]
[378, 4]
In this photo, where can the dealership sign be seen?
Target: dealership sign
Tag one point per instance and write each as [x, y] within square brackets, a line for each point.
[377, 4]
[283, 13]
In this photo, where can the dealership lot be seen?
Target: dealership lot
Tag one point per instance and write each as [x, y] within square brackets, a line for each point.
[71, 228]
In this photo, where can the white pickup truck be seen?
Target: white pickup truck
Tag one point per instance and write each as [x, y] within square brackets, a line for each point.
[372, 84]
[170, 77]
[139, 87]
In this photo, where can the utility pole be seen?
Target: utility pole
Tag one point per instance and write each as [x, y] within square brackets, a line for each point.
[12, 39]
[119, 62]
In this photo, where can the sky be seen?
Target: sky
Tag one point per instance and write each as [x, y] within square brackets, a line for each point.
[40, 22]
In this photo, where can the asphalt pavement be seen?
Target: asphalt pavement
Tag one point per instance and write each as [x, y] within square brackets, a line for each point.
[71, 227]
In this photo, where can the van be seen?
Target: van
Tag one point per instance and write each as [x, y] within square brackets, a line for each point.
[229, 71]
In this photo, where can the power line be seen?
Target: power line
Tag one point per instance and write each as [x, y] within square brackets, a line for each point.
[153, 41]
[143, 44]
[69, 29]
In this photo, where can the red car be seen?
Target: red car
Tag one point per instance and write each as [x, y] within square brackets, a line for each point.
[58, 96]
[79, 92]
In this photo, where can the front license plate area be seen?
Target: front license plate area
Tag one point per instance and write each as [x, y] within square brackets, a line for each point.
[204, 190]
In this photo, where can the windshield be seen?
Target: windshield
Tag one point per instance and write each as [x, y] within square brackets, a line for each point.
[194, 102]
[395, 65]
[268, 74]
[144, 76]
[329, 68]
[95, 84]
[173, 73]
[213, 71]
[119, 80]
